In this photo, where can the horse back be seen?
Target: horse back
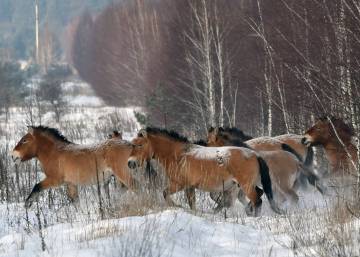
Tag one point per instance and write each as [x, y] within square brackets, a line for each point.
[264, 144]
[83, 164]
[294, 141]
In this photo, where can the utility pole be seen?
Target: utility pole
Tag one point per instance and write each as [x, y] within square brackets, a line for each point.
[37, 31]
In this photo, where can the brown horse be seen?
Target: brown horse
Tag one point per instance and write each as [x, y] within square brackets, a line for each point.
[288, 142]
[190, 166]
[285, 167]
[64, 162]
[337, 138]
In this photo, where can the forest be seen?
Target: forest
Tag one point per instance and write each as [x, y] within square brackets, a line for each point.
[268, 67]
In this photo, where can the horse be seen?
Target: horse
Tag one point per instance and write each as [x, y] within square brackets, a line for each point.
[64, 162]
[288, 142]
[338, 140]
[189, 166]
[150, 171]
[284, 164]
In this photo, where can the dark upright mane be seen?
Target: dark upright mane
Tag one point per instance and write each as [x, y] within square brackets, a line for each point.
[239, 143]
[51, 132]
[171, 134]
[340, 125]
[236, 132]
[200, 142]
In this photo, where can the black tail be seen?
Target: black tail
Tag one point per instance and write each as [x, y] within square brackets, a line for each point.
[289, 149]
[309, 157]
[266, 183]
[265, 178]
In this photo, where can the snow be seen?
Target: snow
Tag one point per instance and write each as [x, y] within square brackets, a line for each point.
[84, 101]
[168, 233]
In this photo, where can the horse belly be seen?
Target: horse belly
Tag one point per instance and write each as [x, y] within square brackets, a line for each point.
[216, 182]
[219, 186]
[83, 171]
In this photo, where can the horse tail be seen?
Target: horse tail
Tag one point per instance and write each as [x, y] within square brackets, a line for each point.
[309, 157]
[289, 149]
[312, 177]
[266, 183]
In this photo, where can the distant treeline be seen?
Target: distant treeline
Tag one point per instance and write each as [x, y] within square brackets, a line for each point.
[266, 66]
[17, 23]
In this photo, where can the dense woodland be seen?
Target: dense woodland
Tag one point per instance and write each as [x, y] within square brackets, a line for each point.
[199, 63]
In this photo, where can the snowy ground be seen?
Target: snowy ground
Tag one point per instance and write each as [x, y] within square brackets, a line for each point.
[167, 233]
[316, 226]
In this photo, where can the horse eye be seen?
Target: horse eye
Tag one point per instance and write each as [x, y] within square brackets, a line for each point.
[23, 141]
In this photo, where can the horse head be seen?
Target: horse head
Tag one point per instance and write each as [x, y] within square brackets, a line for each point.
[141, 150]
[26, 148]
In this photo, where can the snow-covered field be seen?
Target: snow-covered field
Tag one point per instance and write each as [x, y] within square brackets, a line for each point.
[136, 225]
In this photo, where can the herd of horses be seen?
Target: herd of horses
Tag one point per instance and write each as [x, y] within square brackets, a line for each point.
[228, 164]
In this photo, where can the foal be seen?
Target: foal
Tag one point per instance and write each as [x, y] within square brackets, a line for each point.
[337, 138]
[190, 166]
[64, 162]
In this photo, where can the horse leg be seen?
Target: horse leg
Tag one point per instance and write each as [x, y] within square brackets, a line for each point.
[72, 192]
[225, 199]
[42, 185]
[242, 197]
[171, 189]
[254, 206]
[290, 193]
[312, 178]
[190, 195]
[107, 186]
[216, 197]
[125, 178]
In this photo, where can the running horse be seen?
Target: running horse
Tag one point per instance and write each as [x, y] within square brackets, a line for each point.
[283, 161]
[189, 166]
[287, 142]
[64, 162]
[339, 142]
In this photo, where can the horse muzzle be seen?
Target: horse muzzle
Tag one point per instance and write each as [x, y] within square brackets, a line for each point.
[306, 140]
[15, 156]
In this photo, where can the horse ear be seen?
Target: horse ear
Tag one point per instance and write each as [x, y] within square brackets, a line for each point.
[30, 130]
[211, 129]
[143, 133]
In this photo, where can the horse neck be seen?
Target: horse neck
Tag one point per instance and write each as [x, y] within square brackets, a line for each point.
[46, 149]
[166, 150]
[337, 151]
